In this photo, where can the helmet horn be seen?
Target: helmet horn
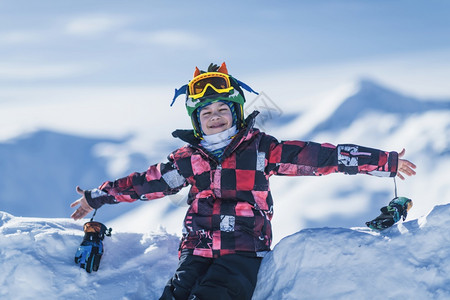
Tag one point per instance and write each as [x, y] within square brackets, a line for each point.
[196, 72]
[223, 69]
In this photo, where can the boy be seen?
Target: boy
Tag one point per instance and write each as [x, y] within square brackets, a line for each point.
[228, 163]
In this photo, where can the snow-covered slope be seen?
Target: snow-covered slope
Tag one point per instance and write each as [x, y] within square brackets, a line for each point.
[37, 262]
[408, 261]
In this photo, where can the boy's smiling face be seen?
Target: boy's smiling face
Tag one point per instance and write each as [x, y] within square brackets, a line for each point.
[216, 118]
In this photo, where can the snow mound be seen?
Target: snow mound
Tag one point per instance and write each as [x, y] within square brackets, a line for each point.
[37, 262]
[407, 261]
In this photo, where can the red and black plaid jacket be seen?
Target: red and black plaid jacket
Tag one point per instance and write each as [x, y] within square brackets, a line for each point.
[230, 204]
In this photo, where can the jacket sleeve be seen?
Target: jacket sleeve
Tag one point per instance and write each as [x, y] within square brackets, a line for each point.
[158, 181]
[297, 158]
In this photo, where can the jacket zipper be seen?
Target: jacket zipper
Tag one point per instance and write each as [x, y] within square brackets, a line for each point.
[216, 181]
[262, 236]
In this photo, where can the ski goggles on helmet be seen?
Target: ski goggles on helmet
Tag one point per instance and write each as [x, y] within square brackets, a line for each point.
[93, 228]
[219, 82]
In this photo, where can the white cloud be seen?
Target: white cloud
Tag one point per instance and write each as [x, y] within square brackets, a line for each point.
[11, 71]
[89, 25]
[94, 24]
[167, 37]
[21, 37]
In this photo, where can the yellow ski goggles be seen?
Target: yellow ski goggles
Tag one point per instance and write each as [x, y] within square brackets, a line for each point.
[219, 82]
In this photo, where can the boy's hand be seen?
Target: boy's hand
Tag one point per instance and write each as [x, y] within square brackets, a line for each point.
[405, 167]
[84, 207]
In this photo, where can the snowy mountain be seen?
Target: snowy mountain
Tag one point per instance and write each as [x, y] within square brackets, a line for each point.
[37, 254]
[39, 172]
[371, 97]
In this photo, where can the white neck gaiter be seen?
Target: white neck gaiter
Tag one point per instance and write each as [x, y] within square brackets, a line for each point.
[218, 140]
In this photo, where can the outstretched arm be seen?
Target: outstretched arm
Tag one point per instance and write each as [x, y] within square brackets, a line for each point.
[297, 158]
[405, 167]
[158, 181]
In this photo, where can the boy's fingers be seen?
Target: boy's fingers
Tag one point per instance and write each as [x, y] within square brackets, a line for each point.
[411, 165]
[407, 167]
[79, 213]
[410, 171]
[400, 176]
[75, 203]
[75, 215]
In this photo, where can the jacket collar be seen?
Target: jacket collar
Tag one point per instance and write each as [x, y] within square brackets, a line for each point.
[187, 135]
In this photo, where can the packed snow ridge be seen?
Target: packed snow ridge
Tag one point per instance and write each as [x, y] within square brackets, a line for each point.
[408, 261]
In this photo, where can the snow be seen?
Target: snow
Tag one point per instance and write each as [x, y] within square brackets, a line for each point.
[411, 260]
[37, 259]
[407, 261]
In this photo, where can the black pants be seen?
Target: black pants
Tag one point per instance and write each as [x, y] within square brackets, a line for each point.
[227, 277]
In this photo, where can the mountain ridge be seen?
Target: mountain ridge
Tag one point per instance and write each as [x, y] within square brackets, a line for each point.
[370, 96]
[41, 169]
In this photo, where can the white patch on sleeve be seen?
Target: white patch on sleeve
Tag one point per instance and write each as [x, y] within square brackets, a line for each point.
[347, 160]
[227, 223]
[95, 193]
[379, 173]
[260, 161]
[173, 179]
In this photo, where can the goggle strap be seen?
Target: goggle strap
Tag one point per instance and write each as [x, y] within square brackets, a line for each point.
[246, 87]
[182, 90]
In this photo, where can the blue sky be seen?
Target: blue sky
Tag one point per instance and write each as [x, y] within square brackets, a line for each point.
[126, 43]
